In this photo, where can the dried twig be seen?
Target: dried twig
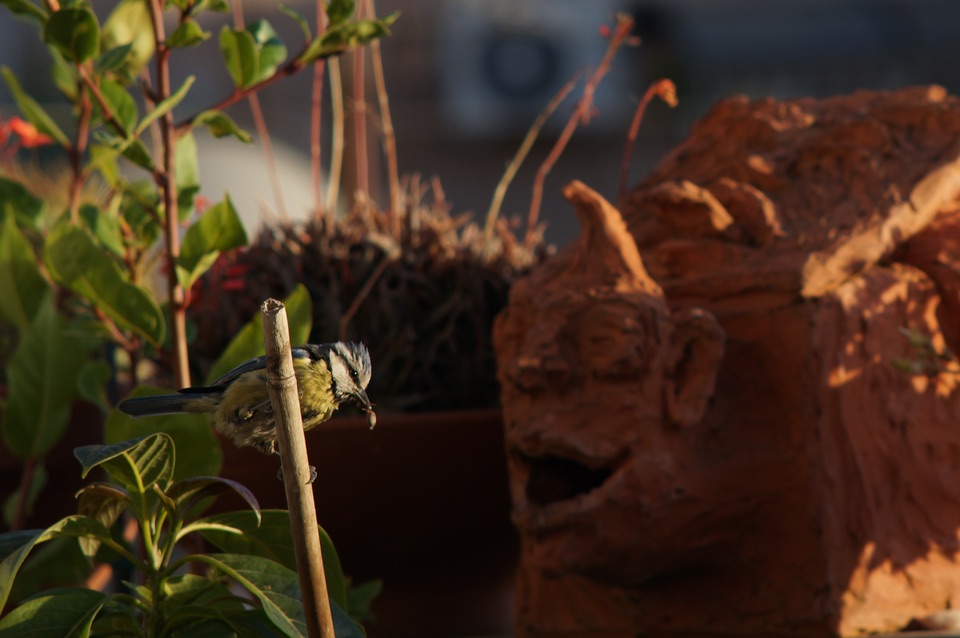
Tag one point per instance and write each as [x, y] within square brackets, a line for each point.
[362, 162]
[387, 132]
[666, 91]
[316, 122]
[336, 143]
[253, 99]
[582, 113]
[498, 194]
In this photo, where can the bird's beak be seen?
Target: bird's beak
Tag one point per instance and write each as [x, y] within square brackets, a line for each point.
[361, 398]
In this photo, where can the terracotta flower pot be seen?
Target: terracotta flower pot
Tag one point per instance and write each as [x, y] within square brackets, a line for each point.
[420, 502]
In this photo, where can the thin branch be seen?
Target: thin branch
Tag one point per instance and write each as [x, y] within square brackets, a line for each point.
[316, 121]
[77, 151]
[101, 101]
[290, 68]
[360, 297]
[666, 91]
[500, 192]
[582, 113]
[166, 181]
[337, 134]
[361, 164]
[253, 99]
[388, 135]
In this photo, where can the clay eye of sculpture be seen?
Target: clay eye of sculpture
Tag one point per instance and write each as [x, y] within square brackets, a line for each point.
[613, 341]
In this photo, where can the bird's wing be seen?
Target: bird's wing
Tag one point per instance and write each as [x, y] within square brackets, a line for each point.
[253, 364]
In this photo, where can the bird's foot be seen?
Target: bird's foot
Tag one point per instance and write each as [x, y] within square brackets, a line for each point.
[313, 474]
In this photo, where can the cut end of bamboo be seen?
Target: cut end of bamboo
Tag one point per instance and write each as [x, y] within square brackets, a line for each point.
[271, 306]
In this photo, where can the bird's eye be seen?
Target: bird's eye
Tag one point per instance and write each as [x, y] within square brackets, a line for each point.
[354, 375]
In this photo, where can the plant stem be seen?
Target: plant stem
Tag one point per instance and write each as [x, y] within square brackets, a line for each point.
[316, 121]
[253, 99]
[77, 150]
[500, 192]
[166, 181]
[360, 125]
[666, 90]
[387, 133]
[337, 134]
[581, 113]
[23, 494]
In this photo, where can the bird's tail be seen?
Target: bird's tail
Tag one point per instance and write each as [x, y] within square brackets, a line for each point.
[158, 404]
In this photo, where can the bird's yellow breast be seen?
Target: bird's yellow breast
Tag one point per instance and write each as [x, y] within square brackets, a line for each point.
[317, 401]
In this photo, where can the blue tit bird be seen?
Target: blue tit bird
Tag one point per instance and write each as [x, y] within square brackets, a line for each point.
[327, 375]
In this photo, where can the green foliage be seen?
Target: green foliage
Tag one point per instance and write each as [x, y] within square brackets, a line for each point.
[248, 342]
[161, 600]
[74, 32]
[43, 383]
[78, 262]
[31, 110]
[199, 448]
[219, 229]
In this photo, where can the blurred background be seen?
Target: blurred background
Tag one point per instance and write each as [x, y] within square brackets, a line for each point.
[466, 78]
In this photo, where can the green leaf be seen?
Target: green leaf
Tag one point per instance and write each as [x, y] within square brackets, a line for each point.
[346, 36]
[113, 59]
[218, 6]
[16, 201]
[218, 229]
[26, 9]
[275, 586]
[22, 287]
[15, 546]
[42, 374]
[103, 159]
[103, 503]
[268, 535]
[360, 599]
[57, 613]
[130, 24]
[77, 262]
[299, 19]
[187, 172]
[339, 11]
[239, 51]
[104, 226]
[74, 32]
[253, 54]
[248, 342]
[121, 103]
[220, 125]
[189, 492]
[134, 464]
[271, 52]
[57, 562]
[32, 111]
[188, 34]
[64, 74]
[92, 383]
[136, 151]
[198, 449]
[167, 105]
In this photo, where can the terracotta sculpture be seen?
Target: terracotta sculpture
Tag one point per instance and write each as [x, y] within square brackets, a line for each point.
[769, 445]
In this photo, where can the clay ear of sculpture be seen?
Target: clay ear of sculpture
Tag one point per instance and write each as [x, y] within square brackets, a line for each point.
[693, 359]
